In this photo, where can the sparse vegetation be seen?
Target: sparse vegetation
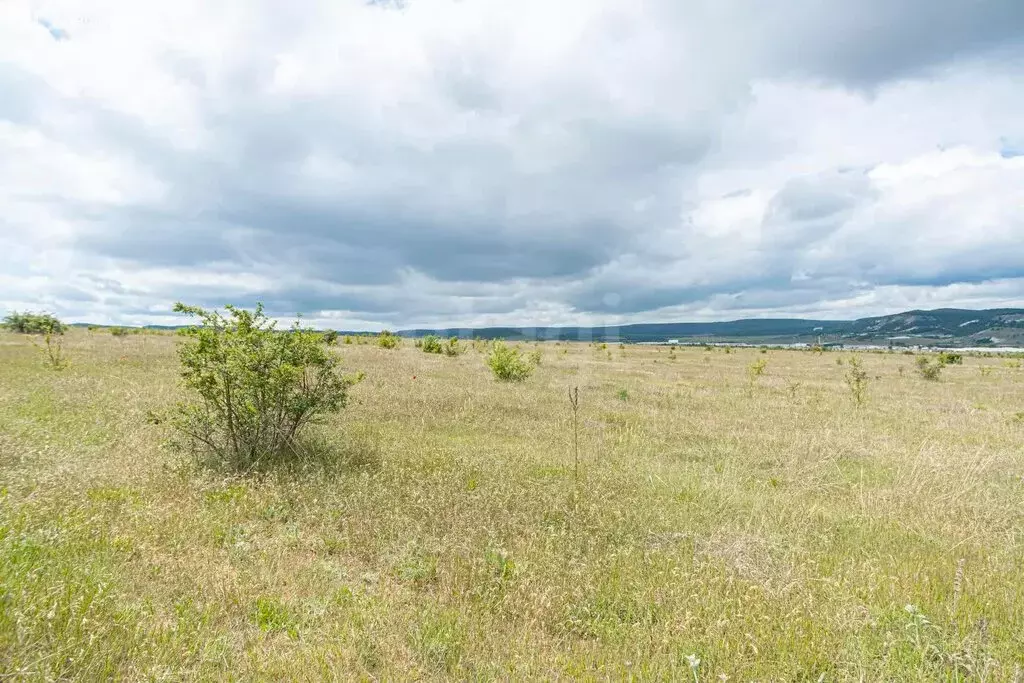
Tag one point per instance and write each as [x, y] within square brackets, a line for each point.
[433, 344]
[714, 533]
[453, 347]
[928, 368]
[857, 381]
[53, 348]
[755, 370]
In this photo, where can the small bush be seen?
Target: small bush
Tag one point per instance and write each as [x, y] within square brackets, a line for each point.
[928, 368]
[388, 340]
[330, 337]
[508, 364]
[857, 380]
[756, 369]
[257, 388]
[33, 323]
[431, 344]
[119, 331]
[536, 357]
[348, 339]
[950, 358]
[452, 347]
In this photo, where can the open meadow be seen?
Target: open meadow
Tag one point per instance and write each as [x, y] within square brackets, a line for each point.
[721, 525]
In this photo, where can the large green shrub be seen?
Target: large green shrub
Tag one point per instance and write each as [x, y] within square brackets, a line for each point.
[256, 387]
[33, 323]
[507, 363]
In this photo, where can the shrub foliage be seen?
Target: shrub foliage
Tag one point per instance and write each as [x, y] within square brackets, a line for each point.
[33, 323]
[928, 368]
[507, 363]
[257, 387]
[432, 344]
[388, 340]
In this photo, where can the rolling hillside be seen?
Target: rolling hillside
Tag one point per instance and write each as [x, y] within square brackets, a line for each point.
[947, 326]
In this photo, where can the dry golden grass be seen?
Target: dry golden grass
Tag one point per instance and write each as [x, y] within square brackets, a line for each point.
[764, 524]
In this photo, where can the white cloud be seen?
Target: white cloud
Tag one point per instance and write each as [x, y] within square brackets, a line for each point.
[489, 162]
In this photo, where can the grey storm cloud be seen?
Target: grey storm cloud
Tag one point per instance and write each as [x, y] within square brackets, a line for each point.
[436, 162]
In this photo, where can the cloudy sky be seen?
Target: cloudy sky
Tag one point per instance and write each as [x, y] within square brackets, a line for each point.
[469, 162]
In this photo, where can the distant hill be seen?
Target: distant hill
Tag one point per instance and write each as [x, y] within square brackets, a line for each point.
[940, 327]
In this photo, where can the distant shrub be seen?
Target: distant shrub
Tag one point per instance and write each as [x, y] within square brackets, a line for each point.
[508, 364]
[431, 344]
[622, 395]
[330, 337]
[928, 368]
[388, 340]
[34, 323]
[536, 357]
[257, 388]
[119, 331]
[452, 347]
[950, 358]
[348, 339]
[756, 369]
[857, 380]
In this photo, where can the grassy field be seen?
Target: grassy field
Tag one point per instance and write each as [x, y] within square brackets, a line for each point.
[770, 528]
